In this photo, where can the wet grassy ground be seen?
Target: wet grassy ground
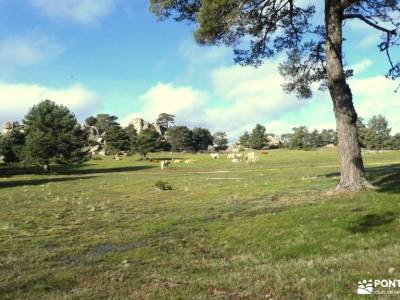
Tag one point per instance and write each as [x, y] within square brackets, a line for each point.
[226, 231]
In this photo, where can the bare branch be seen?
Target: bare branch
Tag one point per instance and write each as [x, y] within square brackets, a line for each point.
[369, 22]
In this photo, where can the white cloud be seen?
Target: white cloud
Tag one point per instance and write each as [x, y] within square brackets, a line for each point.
[79, 11]
[26, 50]
[17, 99]
[375, 95]
[246, 96]
[251, 96]
[186, 103]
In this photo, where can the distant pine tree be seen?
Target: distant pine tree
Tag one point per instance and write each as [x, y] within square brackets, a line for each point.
[245, 139]
[12, 145]
[220, 140]
[132, 134]
[147, 141]
[202, 138]
[258, 138]
[180, 138]
[117, 140]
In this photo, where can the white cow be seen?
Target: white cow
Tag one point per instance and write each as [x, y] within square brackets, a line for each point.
[214, 155]
[164, 164]
[234, 155]
[251, 158]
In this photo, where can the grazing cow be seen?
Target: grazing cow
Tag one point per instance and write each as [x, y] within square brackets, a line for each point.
[251, 158]
[214, 155]
[177, 161]
[264, 152]
[234, 155]
[164, 164]
[189, 161]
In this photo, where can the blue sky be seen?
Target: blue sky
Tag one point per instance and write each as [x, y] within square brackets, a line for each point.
[112, 56]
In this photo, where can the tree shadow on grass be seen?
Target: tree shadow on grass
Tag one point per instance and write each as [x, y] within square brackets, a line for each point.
[29, 182]
[79, 171]
[372, 221]
[64, 170]
[386, 178]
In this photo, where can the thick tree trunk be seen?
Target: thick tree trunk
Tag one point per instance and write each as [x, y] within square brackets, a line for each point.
[351, 162]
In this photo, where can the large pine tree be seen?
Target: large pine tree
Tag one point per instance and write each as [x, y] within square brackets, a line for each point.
[262, 29]
[53, 135]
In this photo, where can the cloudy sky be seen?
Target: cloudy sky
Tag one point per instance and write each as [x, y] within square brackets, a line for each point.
[112, 56]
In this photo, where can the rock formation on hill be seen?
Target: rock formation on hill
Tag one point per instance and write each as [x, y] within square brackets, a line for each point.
[141, 125]
[9, 126]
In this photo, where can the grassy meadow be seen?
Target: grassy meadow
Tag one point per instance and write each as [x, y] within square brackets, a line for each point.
[273, 230]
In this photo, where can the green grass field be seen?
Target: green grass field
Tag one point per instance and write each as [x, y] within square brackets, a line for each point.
[226, 231]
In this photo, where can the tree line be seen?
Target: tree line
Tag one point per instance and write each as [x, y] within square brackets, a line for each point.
[51, 134]
[176, 138]
[373, 135]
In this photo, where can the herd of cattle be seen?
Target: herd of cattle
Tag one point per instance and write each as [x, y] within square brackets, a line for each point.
[250, 158]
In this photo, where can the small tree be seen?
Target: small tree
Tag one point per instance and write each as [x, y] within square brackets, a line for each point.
[300, 138]
[220, 140]
[245, 139]
[117, 140]
[328, 136]
[131, 132]
[53, 134]
[147, 141]
[257, 137]
[202, 138]
[12, 145]
[378, 133]
[396, 142]
[315, 139]
[180, 138]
